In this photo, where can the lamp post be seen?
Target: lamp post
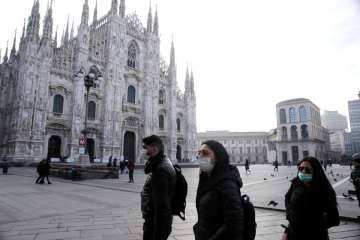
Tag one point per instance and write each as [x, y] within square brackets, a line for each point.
[91, 80]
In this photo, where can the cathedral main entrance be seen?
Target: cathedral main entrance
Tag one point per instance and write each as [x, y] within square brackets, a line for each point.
[129, 146]
[54, 147]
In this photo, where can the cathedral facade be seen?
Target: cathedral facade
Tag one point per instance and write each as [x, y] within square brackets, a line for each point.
[43, 96]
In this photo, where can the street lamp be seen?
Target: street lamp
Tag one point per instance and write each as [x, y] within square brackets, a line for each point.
[91, 80]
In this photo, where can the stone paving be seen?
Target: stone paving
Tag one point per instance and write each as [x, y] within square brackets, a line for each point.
[110, 209]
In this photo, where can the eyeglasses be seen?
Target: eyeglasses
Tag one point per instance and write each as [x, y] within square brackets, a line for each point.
[305, 169]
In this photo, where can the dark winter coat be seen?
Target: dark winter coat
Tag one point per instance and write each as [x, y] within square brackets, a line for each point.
[156, 198]
[5, 167]
[309, 213]
[43, 168]
[218, 204]
[131, 165]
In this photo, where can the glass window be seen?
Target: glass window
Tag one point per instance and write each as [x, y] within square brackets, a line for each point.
[161, 122]
[132, 56]
[294, 134]
[284, 134]
[178, 124]
[161, 97]
[292, 115]
[91, 110]
[282, 116]
[131, 94]
[304, 132]
[58, 106]
[303, 115]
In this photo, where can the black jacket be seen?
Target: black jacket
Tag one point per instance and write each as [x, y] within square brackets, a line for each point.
[309, 213]
[156, 197]
[218, 204]
[43, 168]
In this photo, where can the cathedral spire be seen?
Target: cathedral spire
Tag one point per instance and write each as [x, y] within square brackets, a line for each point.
[187, 82]
[66, 37]
[122, 9]
[114, 7]
[23, 31]
[63, 37]
[6, 53]
[156, 23]
[172, 54]
[85, 14]
[149, 20]
[72, 30]
[34, 22]
[172, 66]
[13, 49]
[48, 24]
[56, 37]
[192, 83]
[95, 12]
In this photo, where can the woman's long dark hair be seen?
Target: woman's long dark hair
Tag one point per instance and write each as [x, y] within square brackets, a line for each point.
[320, 182]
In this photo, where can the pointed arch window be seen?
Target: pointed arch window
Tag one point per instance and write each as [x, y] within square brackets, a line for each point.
[131, 95]
[178, 124]
[161, 122]
[132, 55]
[161, 96]
[91, 110]
[58, 106]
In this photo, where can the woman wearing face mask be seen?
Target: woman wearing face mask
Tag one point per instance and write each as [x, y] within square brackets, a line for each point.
[218, 199]
[311, 206]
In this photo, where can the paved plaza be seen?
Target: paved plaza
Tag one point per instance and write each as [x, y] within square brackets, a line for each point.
[110, 209]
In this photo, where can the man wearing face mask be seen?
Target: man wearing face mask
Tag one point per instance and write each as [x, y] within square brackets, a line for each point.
[218, 198]
[158, 191]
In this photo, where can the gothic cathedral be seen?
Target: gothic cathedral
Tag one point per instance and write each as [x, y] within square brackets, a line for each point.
[43, 96]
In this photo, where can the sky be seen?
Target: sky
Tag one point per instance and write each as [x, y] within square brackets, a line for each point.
[246, 55]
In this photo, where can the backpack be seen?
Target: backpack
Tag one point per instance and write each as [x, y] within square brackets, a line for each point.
[180, 193]
[249, 218]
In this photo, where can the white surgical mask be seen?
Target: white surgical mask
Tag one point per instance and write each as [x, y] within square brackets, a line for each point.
[205, 164]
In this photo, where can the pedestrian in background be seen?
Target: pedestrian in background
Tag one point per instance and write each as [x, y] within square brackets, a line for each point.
[47, 171]
[43, 169]
[311, 206]
[122, 166]
[40, 171]
[5, 167]
[115, 163]
[247, 166]
[131, 167]
[276, 166]
[355, 175]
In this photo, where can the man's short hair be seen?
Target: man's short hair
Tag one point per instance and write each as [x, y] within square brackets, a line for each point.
[155, 141]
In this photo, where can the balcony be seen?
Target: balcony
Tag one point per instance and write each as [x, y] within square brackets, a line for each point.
[131, 108]
[60, 118]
